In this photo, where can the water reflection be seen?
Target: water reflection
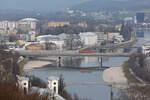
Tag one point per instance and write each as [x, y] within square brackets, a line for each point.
[92, 61]
[72, 61]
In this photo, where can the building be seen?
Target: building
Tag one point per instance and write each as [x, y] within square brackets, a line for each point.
[53, 83]
[52, 89]
[58, 24]
[116, 37]
[52, 39]
[23, 83]
[69, 11]
[8, 25]
[34, 47]
[83, 24]
[73, 41]
[140, 34]
[128, 20]
[32, 35]
[140, 17]
[89, 38]
[145, 49]
[27, 23]
[101, 36]
[118, 27]
[134, 19]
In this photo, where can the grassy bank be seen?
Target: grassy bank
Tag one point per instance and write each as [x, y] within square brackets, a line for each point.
[128, 75]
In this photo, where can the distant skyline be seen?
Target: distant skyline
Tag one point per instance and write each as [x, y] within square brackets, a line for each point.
[39, 5]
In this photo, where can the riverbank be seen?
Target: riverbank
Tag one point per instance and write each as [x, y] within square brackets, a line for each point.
[114, 75]
[35, 64]
[130, 42]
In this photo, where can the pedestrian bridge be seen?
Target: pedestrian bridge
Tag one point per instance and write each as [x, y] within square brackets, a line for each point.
[41, 53]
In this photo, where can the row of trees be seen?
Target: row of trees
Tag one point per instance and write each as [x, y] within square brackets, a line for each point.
[126, 31]
[72, 29]
[75, 29]
[137, 64]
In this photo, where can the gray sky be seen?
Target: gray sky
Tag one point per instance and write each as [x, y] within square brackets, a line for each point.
[42, 5]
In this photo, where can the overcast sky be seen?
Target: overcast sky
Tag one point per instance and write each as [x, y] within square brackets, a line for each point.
[42, 5]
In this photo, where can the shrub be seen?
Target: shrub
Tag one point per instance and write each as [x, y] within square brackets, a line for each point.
[9, 91]
[35, 81]
[136, 63]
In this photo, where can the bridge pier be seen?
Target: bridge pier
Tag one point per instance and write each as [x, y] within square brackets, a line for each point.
[59, 62]
[100, 60]
[111, 92]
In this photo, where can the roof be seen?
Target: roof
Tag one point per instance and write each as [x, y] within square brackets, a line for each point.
[51, 37]
[62, 36]
[53, 78]
[22, 78]
[88, 34]
[29, 19]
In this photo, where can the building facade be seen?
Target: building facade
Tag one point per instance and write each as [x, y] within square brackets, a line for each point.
[89, 38]
[58, 24]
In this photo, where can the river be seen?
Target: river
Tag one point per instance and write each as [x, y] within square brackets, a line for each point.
[92, 92]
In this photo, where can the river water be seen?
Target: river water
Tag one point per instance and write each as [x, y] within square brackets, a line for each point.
[92, 92]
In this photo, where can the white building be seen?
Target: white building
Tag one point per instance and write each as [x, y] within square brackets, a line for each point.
[31, 22]
[89, 38]
[115, 36]
[53, 84]
[128, 20]
[11, 25]
[53, 39]
[23, 83]
[101, 36]
[118, 27]
[145, 49]
[32, 35]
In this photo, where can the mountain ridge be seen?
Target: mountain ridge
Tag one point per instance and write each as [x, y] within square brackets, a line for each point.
[97, 5]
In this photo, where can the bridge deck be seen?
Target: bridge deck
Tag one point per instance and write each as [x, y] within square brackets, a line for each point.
[72, 69]
[41, 53]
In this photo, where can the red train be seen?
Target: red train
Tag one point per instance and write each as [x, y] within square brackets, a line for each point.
[86, 51]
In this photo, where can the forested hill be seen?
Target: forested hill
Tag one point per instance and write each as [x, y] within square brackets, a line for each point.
[97, 5]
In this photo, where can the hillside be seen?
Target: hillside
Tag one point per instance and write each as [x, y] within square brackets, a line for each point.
[97, 5]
